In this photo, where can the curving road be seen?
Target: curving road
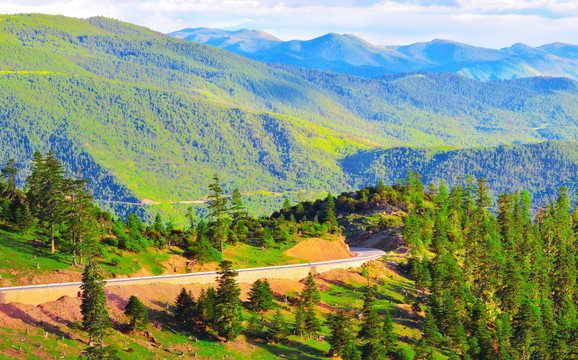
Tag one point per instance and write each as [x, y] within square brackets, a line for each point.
[37, 294]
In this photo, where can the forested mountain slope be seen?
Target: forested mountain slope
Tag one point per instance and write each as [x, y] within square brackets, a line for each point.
[145, 115]
[539, 168]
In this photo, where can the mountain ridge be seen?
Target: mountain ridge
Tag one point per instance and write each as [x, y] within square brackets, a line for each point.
[350, 54]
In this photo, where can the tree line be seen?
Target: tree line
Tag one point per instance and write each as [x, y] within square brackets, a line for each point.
[59, 206]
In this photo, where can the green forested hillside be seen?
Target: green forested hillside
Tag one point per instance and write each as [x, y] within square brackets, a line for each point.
[539, 168]
[144, 115]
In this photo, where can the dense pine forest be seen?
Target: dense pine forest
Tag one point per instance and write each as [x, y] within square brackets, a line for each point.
[492, 281]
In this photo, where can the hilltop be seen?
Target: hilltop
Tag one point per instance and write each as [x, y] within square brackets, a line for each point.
[349, 54]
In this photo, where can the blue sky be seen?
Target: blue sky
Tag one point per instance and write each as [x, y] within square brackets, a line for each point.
[489, 23]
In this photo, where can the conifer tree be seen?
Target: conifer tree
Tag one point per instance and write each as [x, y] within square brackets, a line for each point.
[186, 308]
[237, 207]
[8, 174]
[22, 217]
[503, 330]
[351, 352]
[190, 215]
[527, 329]
[380, 188]
[254, 327]
[341, 338]
[310, 294]
[312, 323]
[389, 338]
[431, 334]
[458, 338]
[82, 226]
[102, 353]
[479, 330]
[159, 225]
[372, 326]
[300, 209]
[218, 212]
[368, 299]
[329, 218]
[138, 314]
[372, 330]
[46, 191]
[286, 206]
[93, 308]
[228, 316]
[261, 296]
[299, 325]
[202, 249]
[412, 231]
[278, 329]
[206, 307]
[267, 240]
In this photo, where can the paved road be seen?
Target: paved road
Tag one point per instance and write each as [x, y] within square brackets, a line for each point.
[361, 254]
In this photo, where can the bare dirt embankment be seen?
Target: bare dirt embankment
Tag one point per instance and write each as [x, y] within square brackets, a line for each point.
[315, 249]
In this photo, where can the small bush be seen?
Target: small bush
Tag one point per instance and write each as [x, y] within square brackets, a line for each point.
[403, 352]
[110, 240]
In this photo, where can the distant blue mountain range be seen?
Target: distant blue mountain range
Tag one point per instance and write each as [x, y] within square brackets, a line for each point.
[349, 54]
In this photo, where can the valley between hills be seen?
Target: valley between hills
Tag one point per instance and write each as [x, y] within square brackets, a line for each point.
[110, 129]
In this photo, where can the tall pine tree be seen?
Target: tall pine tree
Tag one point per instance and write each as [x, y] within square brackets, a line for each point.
[93, 308]
[228, 316]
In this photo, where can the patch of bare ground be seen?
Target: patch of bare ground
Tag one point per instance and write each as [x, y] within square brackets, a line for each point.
[284, 287]
[240, 344]
[57, 276]
[386, 240]
[342, 277]
[64, 310]
[52, 319]
[315, 249]
[177, 264]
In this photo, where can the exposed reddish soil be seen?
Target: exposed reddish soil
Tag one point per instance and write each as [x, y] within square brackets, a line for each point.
[315, 249]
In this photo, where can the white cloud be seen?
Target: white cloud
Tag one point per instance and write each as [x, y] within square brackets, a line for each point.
[492, 23]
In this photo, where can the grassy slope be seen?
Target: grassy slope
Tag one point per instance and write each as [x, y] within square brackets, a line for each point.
[335, 295]
[162, 115]
[22, 261]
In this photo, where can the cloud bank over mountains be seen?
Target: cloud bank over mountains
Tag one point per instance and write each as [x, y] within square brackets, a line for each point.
[488, 23]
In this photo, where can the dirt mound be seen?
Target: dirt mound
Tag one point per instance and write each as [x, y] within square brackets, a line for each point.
[65, 309]
[341, 277]
[315, 249]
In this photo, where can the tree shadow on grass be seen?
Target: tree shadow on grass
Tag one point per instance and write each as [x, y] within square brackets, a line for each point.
[12, 311]
[32, 248]
[338, 283]
[406, 318]
[290, 349]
